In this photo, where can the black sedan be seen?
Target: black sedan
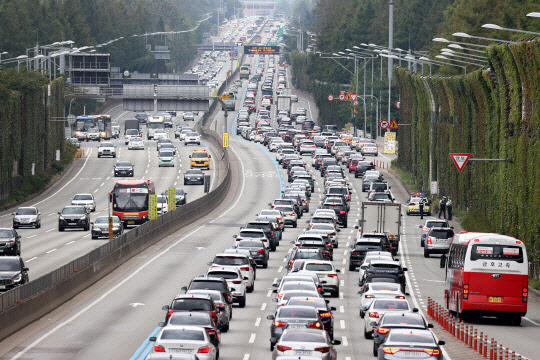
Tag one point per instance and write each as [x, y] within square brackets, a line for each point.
[397, 320]
[10, 243]
[194, 176]
[124, 168]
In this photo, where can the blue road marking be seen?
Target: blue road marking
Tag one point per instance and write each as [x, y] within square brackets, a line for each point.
[144, 344]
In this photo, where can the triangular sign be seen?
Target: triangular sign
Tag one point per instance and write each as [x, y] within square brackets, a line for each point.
[348, 97]
[353, 97]
[394, 124]
[460, 160]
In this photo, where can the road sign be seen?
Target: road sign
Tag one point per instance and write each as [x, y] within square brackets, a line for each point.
[258, 49]
[225, 96]
[225, 140]
[353, 97]
[152, 207]
[348, 97]
[111, 234]
[171, 198]
[394, 125]
[398, 104]
[384, 124]
[341, 97]
[460, 160]
[330, 97]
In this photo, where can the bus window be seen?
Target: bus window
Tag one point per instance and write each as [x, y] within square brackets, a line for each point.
[497, 252]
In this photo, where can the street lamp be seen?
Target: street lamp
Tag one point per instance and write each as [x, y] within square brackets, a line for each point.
[465, 35]
[458, 42]
[456, 46]
[497, 27]
[448, 53]
[534, 14]
[441, 63]
[464, 54]
[460, 61]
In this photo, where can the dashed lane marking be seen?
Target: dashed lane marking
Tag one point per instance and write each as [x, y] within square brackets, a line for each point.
[50, 251]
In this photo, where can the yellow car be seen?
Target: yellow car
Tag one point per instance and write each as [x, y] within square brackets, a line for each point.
[200, 159]
[413, 206]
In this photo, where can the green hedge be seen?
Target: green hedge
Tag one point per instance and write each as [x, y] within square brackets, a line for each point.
[491, 114]
[28, 135]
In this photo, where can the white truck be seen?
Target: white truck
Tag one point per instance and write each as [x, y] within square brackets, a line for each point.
[283, 103]
[154, 123]
[379, 217]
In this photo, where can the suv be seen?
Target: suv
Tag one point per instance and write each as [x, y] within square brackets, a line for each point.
[191, 302]
[106, 149]
[438, 241]
[200, 159]
[12, 272]
[362, 167]
[211, 283]
[86, 200]
[431, 224]
[26, 216]
[360, 248]
[124, 168]
[74, 216]
[269, 229]
[235, 280]
[10, 242]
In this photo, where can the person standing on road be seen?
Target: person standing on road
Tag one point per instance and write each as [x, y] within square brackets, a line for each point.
[442, 207]
[449, 208]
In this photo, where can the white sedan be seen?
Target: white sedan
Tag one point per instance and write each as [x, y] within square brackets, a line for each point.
[377, 309]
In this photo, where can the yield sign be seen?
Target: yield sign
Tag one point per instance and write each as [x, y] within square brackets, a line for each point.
[353, 97]
[460, 160]
[394, 124]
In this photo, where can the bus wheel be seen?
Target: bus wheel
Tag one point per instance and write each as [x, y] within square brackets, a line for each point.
[513, 319]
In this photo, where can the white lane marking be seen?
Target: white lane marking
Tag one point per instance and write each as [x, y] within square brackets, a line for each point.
[532, 322]
[31, 236]
[87, 235]
[263, 307]
[344, 261]
[50, 251]
[344, 341]
[269, 293]
[341, 295]
[51, 214]
[69, 182]
[95, 191]
[280, 269]
[252, 338]
[348, 244]
[175, 183]
[258, 322]
[342, 283]
[49, 230]
[342, 324]
[69, 243]
[341, 309]
[34, 258]
[246, 357]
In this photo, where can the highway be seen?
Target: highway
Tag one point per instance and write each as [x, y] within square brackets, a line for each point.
[115, 318]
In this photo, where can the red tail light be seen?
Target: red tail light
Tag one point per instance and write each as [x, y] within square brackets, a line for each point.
[429, 241]
[332, 276]
[260, 251]
[272, 233]
[213, 314]
[291, 263]
[283, 348]
[383, 331]
[244, 268]
[323, 349]
[169, 313]
[466, 291]
[374, 314]
[280, 295]
[159, 348]
[316, 325]
[210, 331]
[291, 214]
[400, 297]
[326, 253]
[342, 212]
[332, 234]
[370, 297]
[325, 314]
[525, 294]
[280, 324]
[237, 282]
[203, 350]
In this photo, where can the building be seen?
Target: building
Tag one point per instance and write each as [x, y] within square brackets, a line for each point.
[259, 7]
[89, 69]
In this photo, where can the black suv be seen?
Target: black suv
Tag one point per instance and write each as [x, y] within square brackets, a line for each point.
[269, 230]
[12, 272]
[339, 209]
[189, 303]
[360, 248]
[211, 283]
[10, 243]
[362, 167]
[124, 168]
[74, 216]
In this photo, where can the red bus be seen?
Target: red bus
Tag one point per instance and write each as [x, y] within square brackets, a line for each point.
[130, 200]
[487, 275]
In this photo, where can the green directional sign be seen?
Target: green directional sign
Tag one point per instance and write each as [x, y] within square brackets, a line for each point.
[272, 43]
[280, 32]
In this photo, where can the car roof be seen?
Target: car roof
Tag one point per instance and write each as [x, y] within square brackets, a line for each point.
[192, 296]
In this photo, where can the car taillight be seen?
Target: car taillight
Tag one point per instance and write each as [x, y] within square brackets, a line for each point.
[213, 314]
[323, 349]
[315, 324]
[291, 263]
[283, 348]
[169, 313]
[210, 331]
[292, 214]
[374, 314]
[332, 276]
[159, 348]
[260, 251]
[326, 253]
[383, 331]
[237, 282]
[342, 212]
[245, 268]
[466, 291]
[280, 324]
[369, 297]
[325, 314]
[203, 350]
[279, 219]
[280, 295]
[525, 294]
[400, 297]
[332, 234]
[429, 240]
[272, 233]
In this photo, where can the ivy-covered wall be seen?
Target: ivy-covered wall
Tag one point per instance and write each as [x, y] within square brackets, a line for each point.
[27, 134]
[493, 114]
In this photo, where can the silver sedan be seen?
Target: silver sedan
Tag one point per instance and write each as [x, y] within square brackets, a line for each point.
[306, 342]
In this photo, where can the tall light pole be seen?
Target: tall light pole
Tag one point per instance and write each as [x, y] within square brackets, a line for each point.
[443, 40]
[460, 61]
[390, 46]
[2, 53]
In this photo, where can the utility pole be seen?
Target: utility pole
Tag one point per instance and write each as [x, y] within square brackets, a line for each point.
[390, 46]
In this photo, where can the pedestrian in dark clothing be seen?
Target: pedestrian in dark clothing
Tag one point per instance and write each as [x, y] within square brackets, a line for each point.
[449, 208]
[442, 207]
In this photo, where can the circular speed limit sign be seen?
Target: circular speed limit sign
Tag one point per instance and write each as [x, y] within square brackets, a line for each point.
[384, 124]
[330, 97]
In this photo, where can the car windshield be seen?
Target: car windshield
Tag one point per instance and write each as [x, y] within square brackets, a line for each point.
[10, 265]
[296, 312]
[156, 125]
[411, 337]
[182, 334]
[381, 197]
[322, 220]
[251, 234]
[124, 164]
[230, 260]
[192, 305]
[390, 305]
[403, 320]
[161, 199]
[318, 267]
[106, 145]
[6, 234]
[189, 319]
[105, 220]
[307, 255]
[26, 211]
[385, 266]
[496, 252]
[223, 274]
[200, 155]
[166, 154]
[194, 172]
[298, 286]
[192, 134]
[250, 244]
[323, 227]
[82, 197]
[132, 132]
[303, 337]
[73, 210]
